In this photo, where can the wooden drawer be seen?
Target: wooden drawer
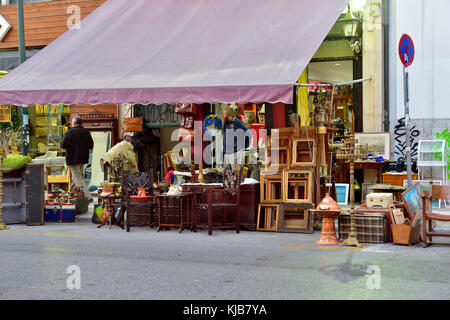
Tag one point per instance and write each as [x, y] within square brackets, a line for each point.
[397, 179]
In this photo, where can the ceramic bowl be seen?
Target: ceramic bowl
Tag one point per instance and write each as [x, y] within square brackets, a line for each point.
[141, 199]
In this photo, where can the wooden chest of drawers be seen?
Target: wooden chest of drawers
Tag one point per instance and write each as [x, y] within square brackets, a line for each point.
[396, 179]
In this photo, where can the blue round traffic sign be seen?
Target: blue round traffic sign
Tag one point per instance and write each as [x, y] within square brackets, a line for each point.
[406, 50]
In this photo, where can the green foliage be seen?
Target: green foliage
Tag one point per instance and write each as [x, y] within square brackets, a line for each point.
[14, 162]
[445, 135]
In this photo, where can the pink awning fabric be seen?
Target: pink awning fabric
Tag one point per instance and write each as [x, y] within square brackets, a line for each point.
[192, 51]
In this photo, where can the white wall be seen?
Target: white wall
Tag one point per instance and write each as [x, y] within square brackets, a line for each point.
[428, 23]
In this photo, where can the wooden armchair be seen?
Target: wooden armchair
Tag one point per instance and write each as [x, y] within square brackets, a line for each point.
[431, 215]
[225, 200]
[145, 211]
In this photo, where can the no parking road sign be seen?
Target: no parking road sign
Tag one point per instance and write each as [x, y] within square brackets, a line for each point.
[406, 50]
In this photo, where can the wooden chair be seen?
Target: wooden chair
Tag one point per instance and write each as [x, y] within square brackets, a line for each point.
[225, 200]
[435, 192]
[130, 184]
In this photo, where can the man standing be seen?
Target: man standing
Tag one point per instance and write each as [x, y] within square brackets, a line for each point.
[78, 141]
[235, 138]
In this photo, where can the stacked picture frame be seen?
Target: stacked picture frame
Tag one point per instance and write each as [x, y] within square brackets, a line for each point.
[287, 190]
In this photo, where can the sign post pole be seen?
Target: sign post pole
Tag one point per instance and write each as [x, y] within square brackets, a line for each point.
[406, 52]
[408, 127]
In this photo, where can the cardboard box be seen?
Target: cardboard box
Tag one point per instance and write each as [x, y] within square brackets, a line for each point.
[379, 200]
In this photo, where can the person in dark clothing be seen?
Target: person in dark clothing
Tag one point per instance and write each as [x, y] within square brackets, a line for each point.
[78, 141]
[238, 138]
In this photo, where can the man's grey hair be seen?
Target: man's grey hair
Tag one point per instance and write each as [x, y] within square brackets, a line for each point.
[77, 120]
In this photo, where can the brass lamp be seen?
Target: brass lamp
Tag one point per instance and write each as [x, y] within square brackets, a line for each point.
[350, 24]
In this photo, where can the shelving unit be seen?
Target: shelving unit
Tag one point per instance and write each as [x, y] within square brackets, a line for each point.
[48, 126]
[432, 160]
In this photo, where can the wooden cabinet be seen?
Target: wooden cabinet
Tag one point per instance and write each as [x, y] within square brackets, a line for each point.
[396, 179]
[249, 202]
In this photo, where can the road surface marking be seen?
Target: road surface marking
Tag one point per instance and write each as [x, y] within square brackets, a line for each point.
[45, 234]
[328, 248]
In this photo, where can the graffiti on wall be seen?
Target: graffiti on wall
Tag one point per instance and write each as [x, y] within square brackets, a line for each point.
[160, 114]
[400, 139]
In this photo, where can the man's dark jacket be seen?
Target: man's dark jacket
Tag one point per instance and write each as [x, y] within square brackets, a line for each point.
[77, 141]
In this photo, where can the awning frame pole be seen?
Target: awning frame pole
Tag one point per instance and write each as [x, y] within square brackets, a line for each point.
[330, 84]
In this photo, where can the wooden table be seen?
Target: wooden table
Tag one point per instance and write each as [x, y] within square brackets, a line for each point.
[108, 201]
[182, 205]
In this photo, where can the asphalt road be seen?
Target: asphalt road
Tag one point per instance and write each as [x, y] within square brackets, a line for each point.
[145, 264]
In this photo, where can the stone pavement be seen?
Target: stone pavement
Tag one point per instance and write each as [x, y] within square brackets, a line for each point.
[146, 264]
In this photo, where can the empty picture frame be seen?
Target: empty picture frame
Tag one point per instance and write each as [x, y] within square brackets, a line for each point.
[398, 216]
[297, 186]
[281, 160]
[425, 185]
[378, 143]
[303, 152]
[267, 217]
[271, 188]
[292, 218]
[342, 192]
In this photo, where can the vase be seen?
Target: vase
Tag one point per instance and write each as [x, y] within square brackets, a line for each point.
[141, 192]
[328, 209]
[201, 177]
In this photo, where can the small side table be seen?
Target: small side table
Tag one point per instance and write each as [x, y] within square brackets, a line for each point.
[108, 201]
[181, 210]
